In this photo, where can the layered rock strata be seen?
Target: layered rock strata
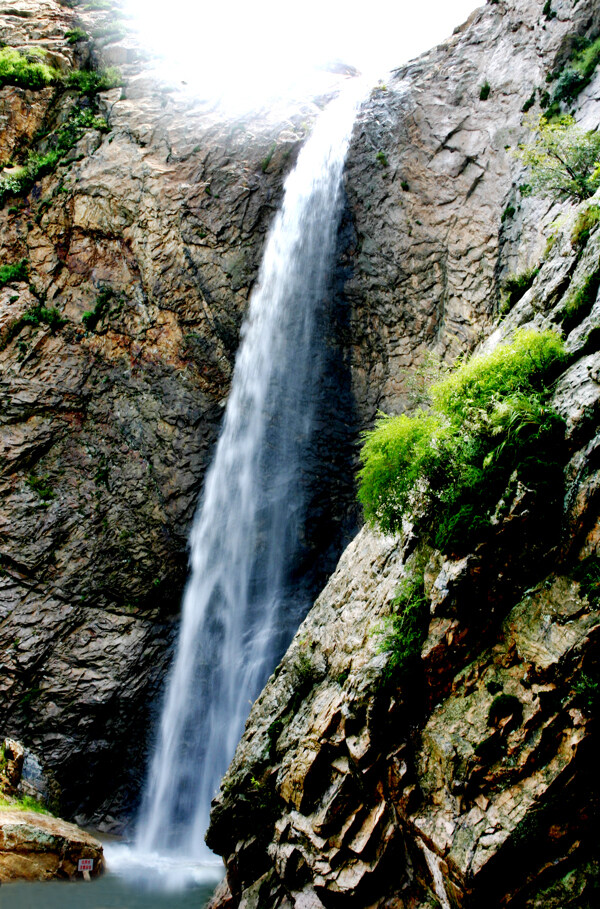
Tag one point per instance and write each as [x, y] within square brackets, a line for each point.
[472, 780]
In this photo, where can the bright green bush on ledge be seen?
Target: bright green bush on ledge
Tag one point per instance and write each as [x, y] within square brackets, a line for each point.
[446, 468]
[27, 71]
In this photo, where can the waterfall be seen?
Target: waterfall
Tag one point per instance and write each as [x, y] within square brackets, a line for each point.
[241, 607]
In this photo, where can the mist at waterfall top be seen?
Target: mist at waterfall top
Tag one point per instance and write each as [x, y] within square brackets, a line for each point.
[249, 55]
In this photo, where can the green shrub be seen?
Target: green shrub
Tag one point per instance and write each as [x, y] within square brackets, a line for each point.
[445, 469]
[98, 5]
[111, 32]
[549, 13]
[508, 212]
[529, 103]
[89, 82]
[91, 318]
[76, 34]
[484, 91]
[577, 73]
[10, 274]
[43, 489]
[25, 70]
[38, 165]
[36, 316]
[584, 223]
[563, 159]
[406, 630]
[267, 159]
[516, 286]
[381, 158]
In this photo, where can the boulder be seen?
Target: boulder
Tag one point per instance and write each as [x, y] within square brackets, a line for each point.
[38, 847]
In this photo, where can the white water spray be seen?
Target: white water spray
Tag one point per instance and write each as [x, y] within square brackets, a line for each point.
[239, 608]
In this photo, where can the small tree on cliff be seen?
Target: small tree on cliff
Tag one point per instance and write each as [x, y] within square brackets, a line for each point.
[564, 160]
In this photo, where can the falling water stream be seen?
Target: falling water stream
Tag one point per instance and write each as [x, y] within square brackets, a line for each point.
[240, 607]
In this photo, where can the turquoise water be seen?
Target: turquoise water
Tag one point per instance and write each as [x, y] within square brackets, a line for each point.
[134, 881]
[107, 892]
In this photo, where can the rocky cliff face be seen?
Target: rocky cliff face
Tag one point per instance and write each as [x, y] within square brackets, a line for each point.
[145, 238]
[470, 782]
[117, 344]
[472, 779]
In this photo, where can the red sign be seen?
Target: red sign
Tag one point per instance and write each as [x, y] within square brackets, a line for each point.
[85, 864]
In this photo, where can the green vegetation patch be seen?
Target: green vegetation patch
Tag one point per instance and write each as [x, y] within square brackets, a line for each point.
[406, 630]
[25, 803]
[445, 469]
[576, 74]
[26, 70]
[62, 140]
[36, 316]
[516, 286]
[10, 274]
[584, 224]
[484, 91]
[42, 488]
[529, 103]
[76, 34]
[90, 81]
[563, 159]
[268, 157]
[587, 573]
[104, 299]
[587, 692]
[579, 302]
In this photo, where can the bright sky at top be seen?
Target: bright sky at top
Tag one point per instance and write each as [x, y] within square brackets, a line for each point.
[254, 50]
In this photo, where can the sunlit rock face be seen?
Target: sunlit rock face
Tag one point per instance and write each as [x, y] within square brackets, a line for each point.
[435, 192]
[155, 223]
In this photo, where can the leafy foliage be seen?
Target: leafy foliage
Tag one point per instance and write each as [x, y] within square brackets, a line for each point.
[529, 103]
[91, 318]
[446, 468]
[587, 691]
[576, 74]
[484, 91]
[35, 317]
[25, 70]
[564, 160]
[38, 165]
[9, 274]
[407, 628]
[89, 81]
[76, 34]
[41, 486]
[584, 224]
